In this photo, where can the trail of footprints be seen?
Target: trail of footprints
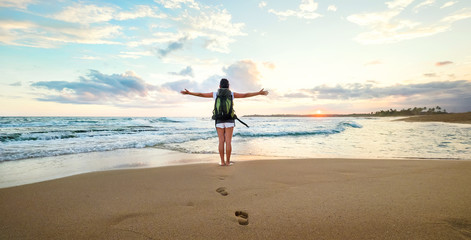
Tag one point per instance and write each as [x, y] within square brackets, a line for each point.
[242, 216]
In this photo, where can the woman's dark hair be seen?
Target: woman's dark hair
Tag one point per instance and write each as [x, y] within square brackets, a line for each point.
[224, 83]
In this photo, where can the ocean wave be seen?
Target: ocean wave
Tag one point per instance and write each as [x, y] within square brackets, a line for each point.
[31, 146]
[77, 122]
[12, 154]
[78, 133]
[284, 134]
[104, 134]
[21, 122]
[33, 137]
[164, 119]
[349, 124]
[340, 127]
[146, 122]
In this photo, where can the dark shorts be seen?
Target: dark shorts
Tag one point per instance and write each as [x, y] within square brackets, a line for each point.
[225, 121]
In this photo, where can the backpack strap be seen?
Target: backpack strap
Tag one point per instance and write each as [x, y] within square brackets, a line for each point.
[235, 117]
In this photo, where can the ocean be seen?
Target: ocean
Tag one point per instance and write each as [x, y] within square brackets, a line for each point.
[27, 141]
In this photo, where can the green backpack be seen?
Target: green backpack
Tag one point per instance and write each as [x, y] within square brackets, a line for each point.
[224, 106]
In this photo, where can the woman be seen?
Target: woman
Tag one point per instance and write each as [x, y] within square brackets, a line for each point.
[225, 128]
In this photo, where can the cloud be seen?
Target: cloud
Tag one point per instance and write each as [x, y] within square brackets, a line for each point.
[135, 54]
[385, 27]
[181, 84]
[430, 74]
[213, 25]
[243, 76]
[451, 95]
[87, 14]
[15, 84]
[297, 95]
[97, 88]
[173, 46]
[269, 65]
[448, 4]
[332, 8]
[456, 89]
[141, 11]
[81, 23]
[457, 16]
[423, 4]
[460, 103]
[443, 63]
[308, 6]
[262, 4]
[307, 10]
[21, 4]
[188, 71]
[29, 34]
[374, 62]
[86, 57]
[12, 32]
[401, 4]
[175, 4]
[80, 13]
[88, 35]
[372, 19]
[157, 38]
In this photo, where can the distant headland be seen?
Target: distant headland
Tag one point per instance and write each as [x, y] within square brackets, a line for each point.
[382, 113]
[436, 114]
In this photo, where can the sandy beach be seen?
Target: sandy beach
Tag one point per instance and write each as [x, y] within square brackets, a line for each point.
[268, 199]
[451, 118]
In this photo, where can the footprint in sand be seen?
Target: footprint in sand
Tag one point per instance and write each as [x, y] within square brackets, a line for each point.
[242, 217]
[222, 191]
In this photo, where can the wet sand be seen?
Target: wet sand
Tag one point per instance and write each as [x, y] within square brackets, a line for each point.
[450, 117]
[269, 199]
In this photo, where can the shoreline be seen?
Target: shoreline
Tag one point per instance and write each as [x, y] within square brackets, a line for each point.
[284, 199]
[36, 170]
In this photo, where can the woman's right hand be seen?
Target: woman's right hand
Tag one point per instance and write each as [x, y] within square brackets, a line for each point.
[263, 92]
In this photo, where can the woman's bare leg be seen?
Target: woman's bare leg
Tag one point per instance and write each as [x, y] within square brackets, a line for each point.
[228, 140]
[220, 132]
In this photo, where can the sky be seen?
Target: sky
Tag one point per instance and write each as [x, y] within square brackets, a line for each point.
[132, 58]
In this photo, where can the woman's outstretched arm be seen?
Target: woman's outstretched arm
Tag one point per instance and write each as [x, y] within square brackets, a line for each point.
[205, 95]
[252, 94]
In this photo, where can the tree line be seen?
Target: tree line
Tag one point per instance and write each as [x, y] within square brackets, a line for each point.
[411, 111]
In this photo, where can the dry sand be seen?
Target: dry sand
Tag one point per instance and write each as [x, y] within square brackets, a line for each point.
[282, 199]
[450, 117]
